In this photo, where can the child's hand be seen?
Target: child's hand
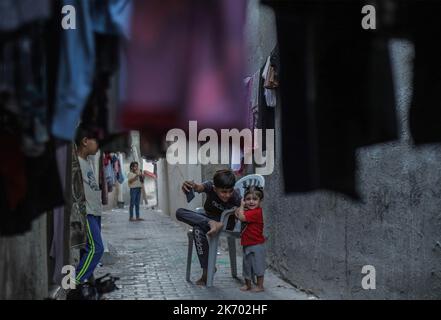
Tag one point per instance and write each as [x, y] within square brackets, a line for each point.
[239, 211]
[187, 186]
[243, 205]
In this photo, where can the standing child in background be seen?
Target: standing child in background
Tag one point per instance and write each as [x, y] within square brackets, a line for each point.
[135, 180]
[252, 239]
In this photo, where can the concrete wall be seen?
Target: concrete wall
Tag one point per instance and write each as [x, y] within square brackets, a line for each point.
[320, 241]
[163, 194]
[25, 275]
[170, 179]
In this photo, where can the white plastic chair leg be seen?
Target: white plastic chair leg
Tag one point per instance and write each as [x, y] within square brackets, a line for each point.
[212, 255]
[232, 252]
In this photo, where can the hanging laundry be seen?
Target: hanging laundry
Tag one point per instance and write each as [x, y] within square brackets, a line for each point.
[96, 111]
[425, 110]
[270, 93]
[248, 87]
[15, 15]
[252, 103]
[147, 173]
[272, 80]
[57, 247]
[75, 71]
[102, 180]
[117, 169]
[266, 114]
[336, 92]
[29, 178]
[185, 62]
[109, 174]
[43, 192]
[255, 83]
[12, 173]
[87, 55]
[23, 72]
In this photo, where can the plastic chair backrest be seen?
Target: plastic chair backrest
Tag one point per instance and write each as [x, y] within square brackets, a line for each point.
[249, 180]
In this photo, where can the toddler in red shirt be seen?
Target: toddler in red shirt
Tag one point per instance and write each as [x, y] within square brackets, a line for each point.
[252, 239]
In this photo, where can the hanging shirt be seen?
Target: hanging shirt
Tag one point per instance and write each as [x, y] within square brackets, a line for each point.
[92, 190]
[252, 234]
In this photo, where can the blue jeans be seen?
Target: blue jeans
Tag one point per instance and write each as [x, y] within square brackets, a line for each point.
[135, 198]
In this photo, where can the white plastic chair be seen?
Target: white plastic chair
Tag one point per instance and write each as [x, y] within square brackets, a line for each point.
[232, 235]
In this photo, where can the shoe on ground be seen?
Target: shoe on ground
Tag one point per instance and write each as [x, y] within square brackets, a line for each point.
[83, 291]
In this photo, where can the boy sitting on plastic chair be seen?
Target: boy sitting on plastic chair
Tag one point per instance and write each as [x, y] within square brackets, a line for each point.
[221, 196]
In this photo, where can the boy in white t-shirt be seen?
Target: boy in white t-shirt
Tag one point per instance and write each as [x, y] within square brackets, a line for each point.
[87, 145]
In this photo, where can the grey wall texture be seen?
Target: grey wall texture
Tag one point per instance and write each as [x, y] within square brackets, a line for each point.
[23, 264]
[320, 241]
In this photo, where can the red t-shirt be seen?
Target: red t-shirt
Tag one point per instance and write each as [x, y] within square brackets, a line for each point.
[253, 232]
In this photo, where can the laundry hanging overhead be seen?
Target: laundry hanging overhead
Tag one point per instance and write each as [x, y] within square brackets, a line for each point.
[83, 68]
[29, 180]
[185, 62]
[336, 92]
[425, 30]
[15, 15]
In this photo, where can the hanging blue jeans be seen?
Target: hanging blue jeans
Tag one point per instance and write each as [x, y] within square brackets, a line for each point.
[135, 198]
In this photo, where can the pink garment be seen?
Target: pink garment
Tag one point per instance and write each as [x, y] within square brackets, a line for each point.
[185, 62]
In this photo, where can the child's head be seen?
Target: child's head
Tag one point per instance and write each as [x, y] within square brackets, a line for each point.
[224, 181]
[86, 140]
[134, 166]
[253, 196]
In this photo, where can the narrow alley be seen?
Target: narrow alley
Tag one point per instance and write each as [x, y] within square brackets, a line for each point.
[149, 257]
[306, 131]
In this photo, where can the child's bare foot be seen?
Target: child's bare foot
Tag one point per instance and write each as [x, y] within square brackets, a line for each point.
[215, 227]
[202, 282]
[245, 288]
[257, 289]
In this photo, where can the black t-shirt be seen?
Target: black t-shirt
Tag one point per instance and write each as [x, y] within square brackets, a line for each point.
[215, 206]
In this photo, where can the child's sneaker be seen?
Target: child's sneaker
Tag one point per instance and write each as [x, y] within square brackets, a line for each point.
[83, 291]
